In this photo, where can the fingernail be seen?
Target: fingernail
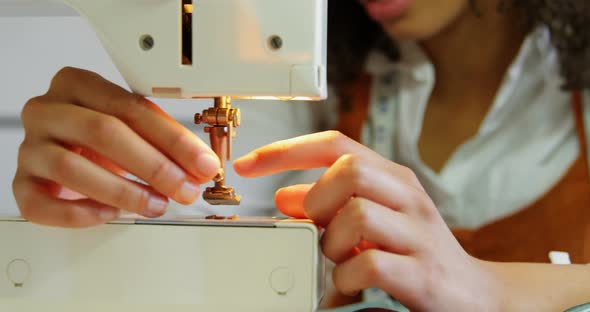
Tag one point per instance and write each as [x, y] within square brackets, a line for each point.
[156, 206]
[108, 214]
[245, 163]
[188, 192]
[208, 165]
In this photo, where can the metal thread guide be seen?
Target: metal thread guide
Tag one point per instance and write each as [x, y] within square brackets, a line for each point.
[222, 120]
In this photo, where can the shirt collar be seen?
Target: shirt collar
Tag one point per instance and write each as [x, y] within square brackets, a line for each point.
[536, 50]
[536, 65]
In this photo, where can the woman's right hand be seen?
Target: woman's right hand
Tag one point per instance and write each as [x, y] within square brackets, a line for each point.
[84, 136]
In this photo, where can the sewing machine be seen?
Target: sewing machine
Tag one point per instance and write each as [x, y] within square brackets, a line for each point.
[161, 265]
[218, 49]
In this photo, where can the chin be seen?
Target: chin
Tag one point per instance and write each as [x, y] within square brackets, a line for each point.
[409, 30]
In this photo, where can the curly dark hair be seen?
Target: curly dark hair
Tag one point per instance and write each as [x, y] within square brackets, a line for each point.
[352, 35]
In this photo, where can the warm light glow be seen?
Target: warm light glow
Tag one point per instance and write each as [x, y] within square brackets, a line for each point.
[188, 8]
[302, 98]
[276, 98]
[264, 98]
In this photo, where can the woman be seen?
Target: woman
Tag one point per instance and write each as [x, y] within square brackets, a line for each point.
[465, 96]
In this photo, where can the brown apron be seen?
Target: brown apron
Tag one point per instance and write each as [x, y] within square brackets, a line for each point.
[558, 221]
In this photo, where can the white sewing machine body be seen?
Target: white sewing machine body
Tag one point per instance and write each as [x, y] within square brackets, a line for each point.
[238, 48]
[158, 265]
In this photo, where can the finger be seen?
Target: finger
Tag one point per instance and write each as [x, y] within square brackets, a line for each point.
[88, 89]
[66, 193]
[305, 152]
[352, 176]
[55, 163]
[38, 207]
[103, 162]
[363, 221]
[289, 200]
[116, 141]
[395, 274]
[313, 151]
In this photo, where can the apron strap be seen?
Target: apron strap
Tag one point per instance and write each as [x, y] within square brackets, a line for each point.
[586, 124]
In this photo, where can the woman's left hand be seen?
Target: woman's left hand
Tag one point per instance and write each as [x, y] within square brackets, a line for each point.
[382, 229]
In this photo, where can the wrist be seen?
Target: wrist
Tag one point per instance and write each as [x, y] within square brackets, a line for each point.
[511, 288]
[485, 288]
[539, 287]
[474, 286]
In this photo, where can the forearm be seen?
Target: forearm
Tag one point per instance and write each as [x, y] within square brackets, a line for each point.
[540, 287]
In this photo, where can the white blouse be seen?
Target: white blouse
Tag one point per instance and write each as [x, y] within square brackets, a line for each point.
[525, 144]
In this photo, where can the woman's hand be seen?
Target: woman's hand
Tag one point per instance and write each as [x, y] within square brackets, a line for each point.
[382, 229]
[84, 136]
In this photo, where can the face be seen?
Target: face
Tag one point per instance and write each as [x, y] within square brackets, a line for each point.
[415, 19]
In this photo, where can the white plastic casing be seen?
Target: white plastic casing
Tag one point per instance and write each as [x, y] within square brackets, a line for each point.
[173, 266]
[230, 42]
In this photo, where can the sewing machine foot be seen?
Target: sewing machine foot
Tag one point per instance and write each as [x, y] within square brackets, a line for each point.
[221, 196]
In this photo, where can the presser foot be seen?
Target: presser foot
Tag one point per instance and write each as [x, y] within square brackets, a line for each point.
[221, 196]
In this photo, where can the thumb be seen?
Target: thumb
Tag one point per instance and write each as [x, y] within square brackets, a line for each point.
[289, 200]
